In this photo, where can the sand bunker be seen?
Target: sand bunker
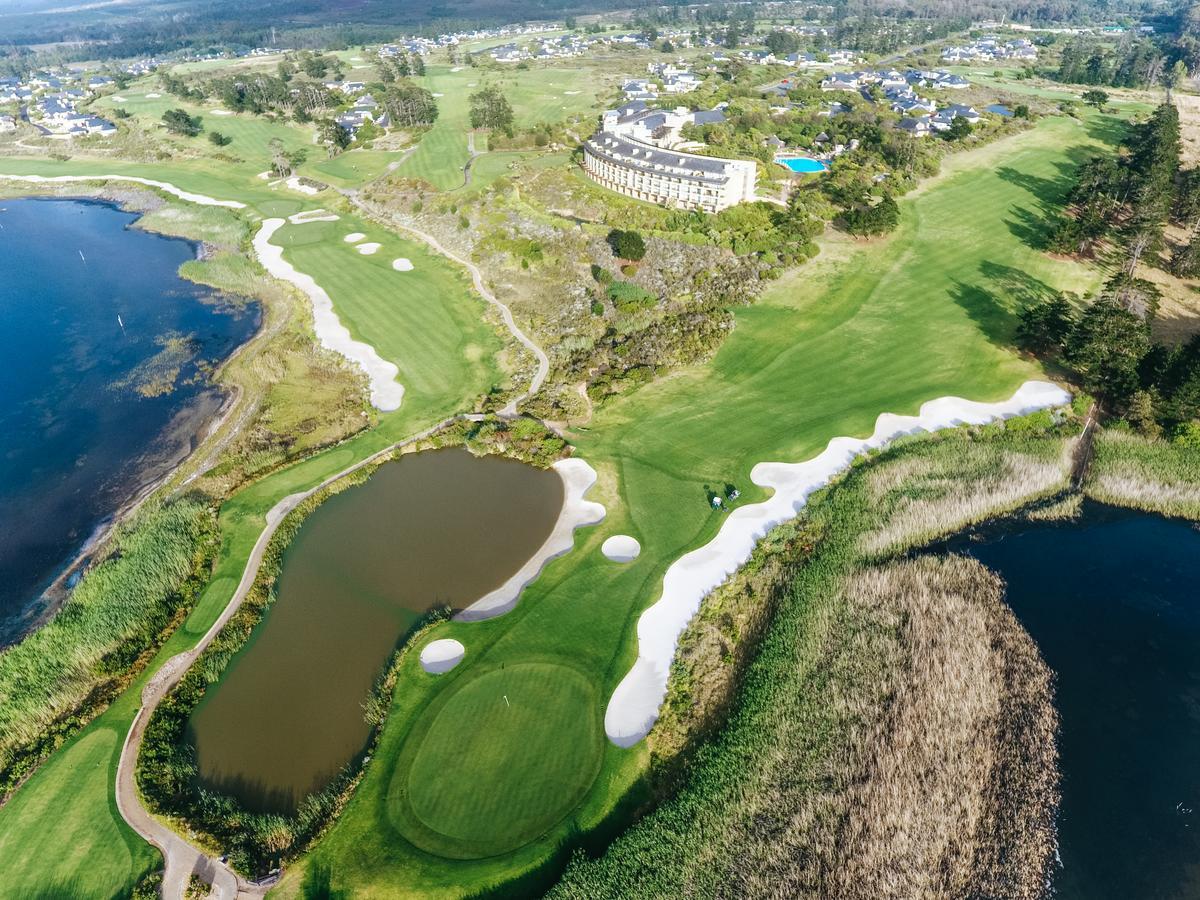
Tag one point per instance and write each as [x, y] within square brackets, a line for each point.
[313, 215]
[571, 93]
[265, 176]
[354, 237]
[402, 265]
[220, 112]
[621, 548]
[456, 69]
[442, 656]
[634, 705]
[578, 478]
[368, 248]
[117, 98]
[439, 95]
[198, 199]
[153, 96]
[297, 185]
[386, 392]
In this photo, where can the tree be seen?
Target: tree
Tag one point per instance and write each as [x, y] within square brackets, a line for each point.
[418, 65]
[285, 162]
[959, 129]
[782, 43]
[490, 109]
[627, 244]
[409, 105]
[1106, 347]
[1096, 98]
[1044, 326]
[179, 122]
[335, 137]
[868, 220]
[1021, 111]
[219, 139]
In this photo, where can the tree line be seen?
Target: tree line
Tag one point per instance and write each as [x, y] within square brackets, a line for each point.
[1123, 203]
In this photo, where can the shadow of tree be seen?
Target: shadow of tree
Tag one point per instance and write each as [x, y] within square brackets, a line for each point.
[1110, 130]
[994, 301]
[1032, 229]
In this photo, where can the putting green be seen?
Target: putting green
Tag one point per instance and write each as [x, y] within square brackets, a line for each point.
[500, 763]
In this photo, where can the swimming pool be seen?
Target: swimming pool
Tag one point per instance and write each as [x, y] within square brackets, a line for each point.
[803, 164]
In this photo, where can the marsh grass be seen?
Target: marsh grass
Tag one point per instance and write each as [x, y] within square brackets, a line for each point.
[1157, 476]
[893, 735]
[61, 676]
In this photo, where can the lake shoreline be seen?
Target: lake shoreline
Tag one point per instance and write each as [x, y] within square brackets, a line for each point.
[188, 430]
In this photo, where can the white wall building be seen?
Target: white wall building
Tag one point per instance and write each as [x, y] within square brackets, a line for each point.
[631, 154]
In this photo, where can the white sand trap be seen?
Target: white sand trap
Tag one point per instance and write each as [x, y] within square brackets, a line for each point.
[313, 215]
[117, 98]
[354, 237]
[438, 95]
[403, 264]
[356, 59]
[360, 67]
[265, 176]
[571, 93]
[220, 112]
[297, 185]
[368, 248]
[153, 96]
[456, 69]
[198, 199]
[621, 548]
[386, 392]
[578, 478]
[442, 656]
[471, 84]
[634, 705]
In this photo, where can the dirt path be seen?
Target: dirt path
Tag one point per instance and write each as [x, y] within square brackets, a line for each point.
[181, 859]
[543, 361]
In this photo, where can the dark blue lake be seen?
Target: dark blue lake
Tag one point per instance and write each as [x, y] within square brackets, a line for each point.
[1113, 601]
[93, 408]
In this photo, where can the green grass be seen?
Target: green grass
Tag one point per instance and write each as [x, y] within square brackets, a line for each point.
[527, 741]
[537, 95]
[65, 838]
[871, 327]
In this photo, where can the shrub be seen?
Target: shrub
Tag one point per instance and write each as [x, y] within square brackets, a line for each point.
[629, 297]
[179, 122]
[627, 244]
[219, 139]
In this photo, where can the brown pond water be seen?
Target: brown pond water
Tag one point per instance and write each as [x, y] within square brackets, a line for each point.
[433, 528]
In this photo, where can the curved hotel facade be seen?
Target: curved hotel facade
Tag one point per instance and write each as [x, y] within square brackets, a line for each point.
[622, 157]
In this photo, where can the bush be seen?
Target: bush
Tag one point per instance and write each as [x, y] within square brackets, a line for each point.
[219, 139]
[628, 297]
[627, 244]
[179, 122]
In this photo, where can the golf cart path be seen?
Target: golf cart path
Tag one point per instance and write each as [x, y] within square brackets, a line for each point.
[180, 858]
[543, 361]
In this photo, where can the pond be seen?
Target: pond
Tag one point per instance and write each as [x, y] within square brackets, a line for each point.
[434, 528]
[1113, 602]
[103, 386]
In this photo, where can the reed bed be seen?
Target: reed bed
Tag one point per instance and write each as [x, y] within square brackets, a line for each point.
[62, 675]
[1153, 475]
[893, 736]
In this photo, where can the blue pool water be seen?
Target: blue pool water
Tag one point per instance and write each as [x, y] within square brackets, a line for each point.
[91, 408]
[803, 165]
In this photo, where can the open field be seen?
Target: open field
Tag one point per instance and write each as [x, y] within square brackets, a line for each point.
[537, 95]
[871, 327]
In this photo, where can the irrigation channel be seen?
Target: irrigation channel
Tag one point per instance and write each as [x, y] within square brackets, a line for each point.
[436, 528]
[1112, 601]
